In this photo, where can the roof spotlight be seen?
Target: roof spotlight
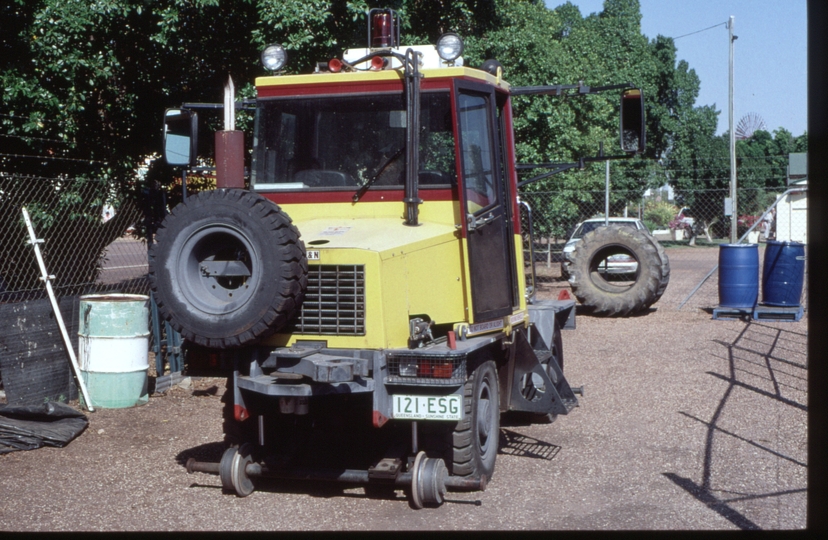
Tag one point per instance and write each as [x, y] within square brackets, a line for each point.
[449, 47]
[274, 57]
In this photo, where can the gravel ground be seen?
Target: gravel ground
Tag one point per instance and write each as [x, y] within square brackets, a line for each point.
[686, 423]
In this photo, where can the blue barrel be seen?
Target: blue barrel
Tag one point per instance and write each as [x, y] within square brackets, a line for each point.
[738, 275]
[783, 273]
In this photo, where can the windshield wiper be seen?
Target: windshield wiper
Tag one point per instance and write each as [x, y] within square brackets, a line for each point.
[361, 191]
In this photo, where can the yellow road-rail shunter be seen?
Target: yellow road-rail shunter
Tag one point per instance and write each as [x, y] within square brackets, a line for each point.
[364, 287]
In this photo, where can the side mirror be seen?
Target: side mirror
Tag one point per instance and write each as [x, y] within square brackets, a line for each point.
[632, 132]
[180, 137]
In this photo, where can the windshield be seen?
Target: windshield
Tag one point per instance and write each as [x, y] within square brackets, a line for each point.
[343, 141]
[590, 226]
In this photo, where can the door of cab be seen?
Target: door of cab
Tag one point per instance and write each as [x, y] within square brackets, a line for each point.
[490, 244]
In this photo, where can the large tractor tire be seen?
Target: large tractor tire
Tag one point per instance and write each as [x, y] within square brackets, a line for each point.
[609, 298]
[227, 268]
[665, 268]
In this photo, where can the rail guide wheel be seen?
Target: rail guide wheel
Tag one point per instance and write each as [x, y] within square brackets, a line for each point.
[428, 481]
[232, 470]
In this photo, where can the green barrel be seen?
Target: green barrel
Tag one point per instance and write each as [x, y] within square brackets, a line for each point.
[114, 349]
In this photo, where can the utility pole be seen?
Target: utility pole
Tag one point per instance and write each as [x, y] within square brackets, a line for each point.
[607, 196]
[733, 194]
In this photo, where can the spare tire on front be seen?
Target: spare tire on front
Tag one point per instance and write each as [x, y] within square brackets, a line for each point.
[635, 287]
[227, 268]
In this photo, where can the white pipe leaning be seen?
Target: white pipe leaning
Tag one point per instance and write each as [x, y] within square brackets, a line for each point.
[48, 280]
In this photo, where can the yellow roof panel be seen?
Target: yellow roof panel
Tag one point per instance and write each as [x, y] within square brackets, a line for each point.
[377, 76]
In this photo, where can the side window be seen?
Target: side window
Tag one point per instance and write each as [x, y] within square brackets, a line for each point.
[274, 143]
[437, 158]
[287, 135]
[476, 147]
[286, 143]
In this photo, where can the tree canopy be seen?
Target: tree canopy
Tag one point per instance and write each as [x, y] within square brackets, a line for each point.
[85, 82]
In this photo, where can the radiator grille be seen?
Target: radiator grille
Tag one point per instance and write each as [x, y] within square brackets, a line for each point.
[334, 302]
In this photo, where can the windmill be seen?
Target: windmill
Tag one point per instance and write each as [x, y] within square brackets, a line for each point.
[748, 125]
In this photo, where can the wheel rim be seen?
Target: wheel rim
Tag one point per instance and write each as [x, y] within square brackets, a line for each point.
[226, 468]
[205, 251]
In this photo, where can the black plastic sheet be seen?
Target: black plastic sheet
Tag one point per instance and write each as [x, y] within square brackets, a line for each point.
[32, 426]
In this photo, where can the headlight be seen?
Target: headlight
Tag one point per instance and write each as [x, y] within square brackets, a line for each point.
[449, 47]
[274, 57]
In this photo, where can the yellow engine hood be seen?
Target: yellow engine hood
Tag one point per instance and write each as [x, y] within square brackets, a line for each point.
[386, 236]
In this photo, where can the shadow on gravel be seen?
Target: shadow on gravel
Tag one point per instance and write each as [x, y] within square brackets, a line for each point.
[582, 310]
[206, 452]
[760, 355]
[515, 444]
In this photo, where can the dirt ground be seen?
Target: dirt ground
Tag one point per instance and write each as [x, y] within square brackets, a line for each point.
[686, 423]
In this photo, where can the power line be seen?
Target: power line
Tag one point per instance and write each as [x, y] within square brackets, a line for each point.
[54, 158]
[702, 30]
[28, 137]
[28, 118]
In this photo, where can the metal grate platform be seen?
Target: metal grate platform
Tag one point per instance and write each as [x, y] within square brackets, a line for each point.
[760, 313]
[778, 313]
[726, 313]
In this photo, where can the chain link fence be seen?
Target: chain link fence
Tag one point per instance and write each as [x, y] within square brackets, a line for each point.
[690, 225]
[89, 245]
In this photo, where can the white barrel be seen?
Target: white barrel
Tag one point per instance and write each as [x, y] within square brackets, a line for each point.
[114, 349]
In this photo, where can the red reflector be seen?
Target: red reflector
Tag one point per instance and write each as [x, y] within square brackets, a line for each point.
[335, 65]
[452, 340]
[240, 413]
[381, 30]
[379, 419]
[564, 295]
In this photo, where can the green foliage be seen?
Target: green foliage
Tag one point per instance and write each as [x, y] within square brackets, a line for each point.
[658, 214]
[699, 166]
[85, 84]
[538, 46]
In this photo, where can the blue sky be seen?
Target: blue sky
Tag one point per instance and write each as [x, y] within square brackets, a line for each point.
[770, 54]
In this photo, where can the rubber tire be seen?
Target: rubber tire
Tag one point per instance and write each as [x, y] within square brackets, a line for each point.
[665, 268]
[475, 438]
[605, 298]
[234, 225]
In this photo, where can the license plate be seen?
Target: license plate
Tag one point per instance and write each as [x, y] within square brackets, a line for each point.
[427, 407]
